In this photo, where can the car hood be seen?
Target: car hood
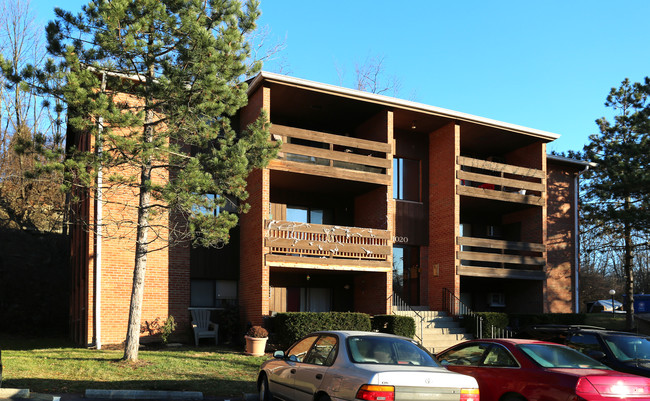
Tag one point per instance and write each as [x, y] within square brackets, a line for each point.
[419, 377]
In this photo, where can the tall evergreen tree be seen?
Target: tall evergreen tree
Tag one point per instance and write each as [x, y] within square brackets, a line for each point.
[182, 64]
[618, 191]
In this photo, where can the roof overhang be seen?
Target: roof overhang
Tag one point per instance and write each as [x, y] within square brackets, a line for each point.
[270, 77]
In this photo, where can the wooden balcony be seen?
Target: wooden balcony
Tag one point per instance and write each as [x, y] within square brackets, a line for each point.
[482, 257]
[498, 181]
[316, 246]
[335, 156]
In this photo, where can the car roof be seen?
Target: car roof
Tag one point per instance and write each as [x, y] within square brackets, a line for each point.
[348, 333]
[514, 341]
[562, 328]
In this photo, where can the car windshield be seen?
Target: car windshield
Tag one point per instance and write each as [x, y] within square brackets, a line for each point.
[388, 351]
[558, 356]
[628, 348]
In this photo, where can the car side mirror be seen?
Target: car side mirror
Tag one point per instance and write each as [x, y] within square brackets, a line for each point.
[597, 355]
[278, 354]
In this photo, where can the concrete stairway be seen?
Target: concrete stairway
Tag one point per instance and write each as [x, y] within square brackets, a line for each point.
[439, 330]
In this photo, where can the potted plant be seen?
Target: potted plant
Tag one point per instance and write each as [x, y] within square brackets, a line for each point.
[256, 340]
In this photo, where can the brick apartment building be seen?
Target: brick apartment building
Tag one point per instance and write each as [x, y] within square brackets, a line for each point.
[369, 196]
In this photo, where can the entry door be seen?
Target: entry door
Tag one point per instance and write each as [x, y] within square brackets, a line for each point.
[406, 273]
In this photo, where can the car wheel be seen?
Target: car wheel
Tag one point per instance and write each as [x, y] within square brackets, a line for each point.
[264, 393]
[323, 397]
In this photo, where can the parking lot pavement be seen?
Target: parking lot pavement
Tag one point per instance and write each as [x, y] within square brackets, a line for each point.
[121, 395]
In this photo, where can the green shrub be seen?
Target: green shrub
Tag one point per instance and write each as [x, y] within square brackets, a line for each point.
[291, 326]
[392, 324]
[497, 320]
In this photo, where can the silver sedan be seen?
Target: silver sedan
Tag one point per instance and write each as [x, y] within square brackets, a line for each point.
[349, 365]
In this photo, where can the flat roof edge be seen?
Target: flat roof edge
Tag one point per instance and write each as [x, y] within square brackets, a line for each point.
[395, 102]
[569, 160]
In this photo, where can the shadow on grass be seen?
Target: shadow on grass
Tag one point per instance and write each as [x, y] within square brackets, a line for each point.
[209, 387]
[27, 342]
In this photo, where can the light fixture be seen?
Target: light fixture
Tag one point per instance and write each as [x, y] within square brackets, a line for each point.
[413, 126]
[612, 292]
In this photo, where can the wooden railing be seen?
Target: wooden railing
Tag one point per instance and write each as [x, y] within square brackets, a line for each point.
[485, 257]
[491, 180]
[335, 156]
[327, 242]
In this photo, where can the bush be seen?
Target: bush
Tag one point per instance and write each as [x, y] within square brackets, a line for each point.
[257, 332]
[490, 319]
[291, 326]
[392, 324]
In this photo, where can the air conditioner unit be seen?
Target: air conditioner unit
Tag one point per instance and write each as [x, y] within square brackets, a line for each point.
[497, 299]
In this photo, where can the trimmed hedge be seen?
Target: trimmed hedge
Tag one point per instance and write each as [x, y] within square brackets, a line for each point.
[292, 326]
[392, 324]
[497, 319]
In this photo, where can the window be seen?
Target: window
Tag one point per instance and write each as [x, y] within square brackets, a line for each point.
[406, 179]
[464, 355]
[323, 351]
[405, 273]
[500, 357]
[212, 208]
[387, 351]
[309, 215]
[299, 351]
[212, 293]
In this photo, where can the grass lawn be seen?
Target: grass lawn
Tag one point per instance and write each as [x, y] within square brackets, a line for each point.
[56, 367]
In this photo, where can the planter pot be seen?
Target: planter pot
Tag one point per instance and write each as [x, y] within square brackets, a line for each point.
[255, 346]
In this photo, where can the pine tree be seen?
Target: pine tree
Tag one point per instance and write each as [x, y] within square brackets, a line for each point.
[618, 191]
[156, 84]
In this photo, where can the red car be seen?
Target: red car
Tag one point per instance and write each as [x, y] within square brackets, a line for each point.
[530, 370]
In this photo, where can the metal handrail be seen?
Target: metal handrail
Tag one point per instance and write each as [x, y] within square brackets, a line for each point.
[455, 307]
[397, 304]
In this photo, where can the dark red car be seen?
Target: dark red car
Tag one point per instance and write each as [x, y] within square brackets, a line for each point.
[531, 370]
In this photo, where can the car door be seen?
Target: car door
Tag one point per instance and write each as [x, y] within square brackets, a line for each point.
[283, 374]
[470, 359]
[311, 372]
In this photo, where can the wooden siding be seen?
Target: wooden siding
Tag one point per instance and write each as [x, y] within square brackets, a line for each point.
[330, 155]
[499, 181]
[293, 244]
[516, 259]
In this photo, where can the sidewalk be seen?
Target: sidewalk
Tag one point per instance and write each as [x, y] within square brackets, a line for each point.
[110, 395]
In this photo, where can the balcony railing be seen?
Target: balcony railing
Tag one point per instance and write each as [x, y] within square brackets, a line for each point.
[331, 155]
[485, 257]
[301, 242]
[490, 180]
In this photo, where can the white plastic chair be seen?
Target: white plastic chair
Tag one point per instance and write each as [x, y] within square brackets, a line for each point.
[203, 327]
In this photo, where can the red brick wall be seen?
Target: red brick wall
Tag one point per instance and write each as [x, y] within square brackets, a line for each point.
[163, 276]
[254, 274]
[560, 281]
[444, 214]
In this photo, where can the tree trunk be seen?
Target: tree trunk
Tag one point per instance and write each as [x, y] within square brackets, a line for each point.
[629, 272]
[142, 246]
[141, 250]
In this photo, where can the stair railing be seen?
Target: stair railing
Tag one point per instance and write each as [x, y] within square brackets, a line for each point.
[455, 307]
[397, 304]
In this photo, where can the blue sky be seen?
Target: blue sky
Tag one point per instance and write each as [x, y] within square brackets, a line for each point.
[546, 65]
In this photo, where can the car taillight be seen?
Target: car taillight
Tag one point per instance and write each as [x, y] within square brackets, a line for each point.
[585, 388]
[371, 392]
[469, 394]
